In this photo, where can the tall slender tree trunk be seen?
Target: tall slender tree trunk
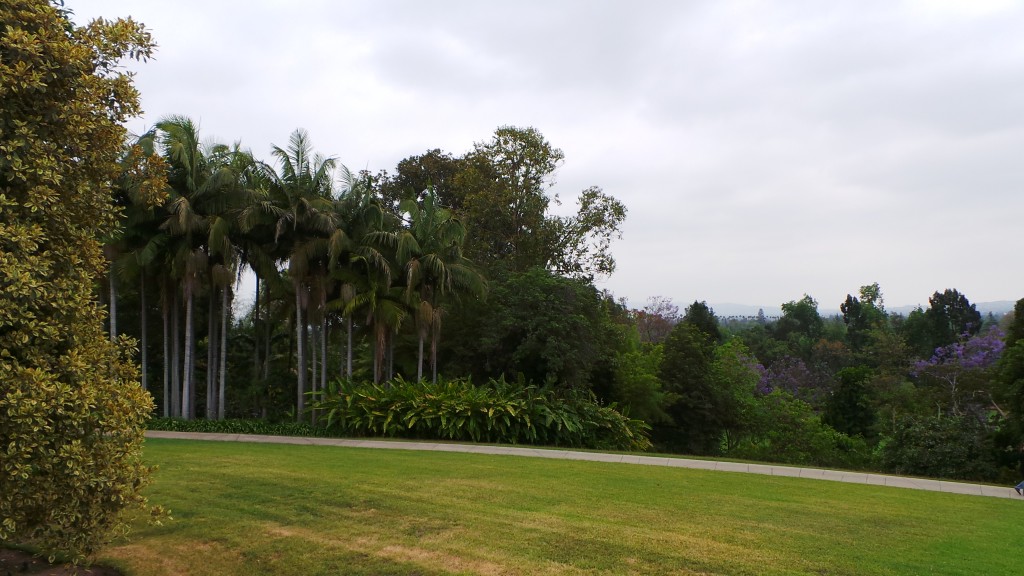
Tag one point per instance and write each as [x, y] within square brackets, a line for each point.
[176, 354]
[378, 354]
[266, 349]
[300, 344]
[256, 331]
[314, 364]
[315, 359]
[348, 349]
[419, 361]
[434, 336]
[222, 389]
[211, 355]
[166, 305]
[188, 385]
[323, 354]
[433, 366]
[323, 361]
[391, 356]
[314, 353]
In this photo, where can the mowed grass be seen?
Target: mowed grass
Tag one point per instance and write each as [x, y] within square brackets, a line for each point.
[284, 509]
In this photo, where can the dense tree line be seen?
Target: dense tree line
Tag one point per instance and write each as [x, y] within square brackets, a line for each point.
[454, 265]
[936, 392]
[357, 276]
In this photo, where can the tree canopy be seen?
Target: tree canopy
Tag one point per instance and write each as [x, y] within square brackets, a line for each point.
[500, 191]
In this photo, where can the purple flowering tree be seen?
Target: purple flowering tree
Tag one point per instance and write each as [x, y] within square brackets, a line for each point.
[794, 376]
[963, 370]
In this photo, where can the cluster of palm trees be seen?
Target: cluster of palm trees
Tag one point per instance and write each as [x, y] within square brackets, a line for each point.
[307, 228]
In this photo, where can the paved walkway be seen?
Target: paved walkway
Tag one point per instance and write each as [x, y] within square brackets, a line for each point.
[769, 470]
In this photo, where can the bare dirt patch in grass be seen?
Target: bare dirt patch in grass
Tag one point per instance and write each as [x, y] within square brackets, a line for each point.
[195, 558]
[434, 558]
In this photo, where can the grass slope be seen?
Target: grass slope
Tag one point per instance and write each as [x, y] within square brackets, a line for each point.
[283, 509]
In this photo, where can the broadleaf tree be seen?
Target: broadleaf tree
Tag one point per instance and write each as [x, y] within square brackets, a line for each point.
[72, 412]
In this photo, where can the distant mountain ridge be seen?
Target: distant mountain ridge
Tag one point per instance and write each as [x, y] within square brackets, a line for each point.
[732, 309]
[726, 309]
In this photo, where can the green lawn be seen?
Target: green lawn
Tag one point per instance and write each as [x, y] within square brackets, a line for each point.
[282, 509]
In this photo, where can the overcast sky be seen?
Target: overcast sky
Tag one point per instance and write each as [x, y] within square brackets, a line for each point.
[764, 150]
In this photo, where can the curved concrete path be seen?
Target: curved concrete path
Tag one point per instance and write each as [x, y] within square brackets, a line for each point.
[769, 470]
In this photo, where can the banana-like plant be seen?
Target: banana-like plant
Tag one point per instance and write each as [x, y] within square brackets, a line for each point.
[494, 412]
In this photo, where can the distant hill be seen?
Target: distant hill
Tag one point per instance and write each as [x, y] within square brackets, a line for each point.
[730, 309]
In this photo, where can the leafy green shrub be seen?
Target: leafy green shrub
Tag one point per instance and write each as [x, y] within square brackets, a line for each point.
[940, 447]
[494, 412]
[72, 410]
[787, 430]
[637, 387]
[237, 426]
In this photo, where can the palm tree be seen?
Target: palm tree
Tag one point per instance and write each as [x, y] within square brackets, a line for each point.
[260, 252]
[172, 344]
[201, 178]
[300, 198]
[354, 255]
[385, 311]
[225, 212]
[430, 251]
[222, 277]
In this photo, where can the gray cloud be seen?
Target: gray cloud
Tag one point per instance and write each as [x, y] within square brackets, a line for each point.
[764, 150]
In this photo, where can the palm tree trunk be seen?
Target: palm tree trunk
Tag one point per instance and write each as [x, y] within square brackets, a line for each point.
[266, 348]
[187, 390]
[314, 352]
[378, 353]
[348, 350]
[256, 331]
[176, 355]
[314, 361]
[391, 356]
[419, 361]
[433, 365]
[222, 389]
[165, 305]
[323, 354]
[300, 341]
[323, 359]
[435, 336]
[211, 359]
